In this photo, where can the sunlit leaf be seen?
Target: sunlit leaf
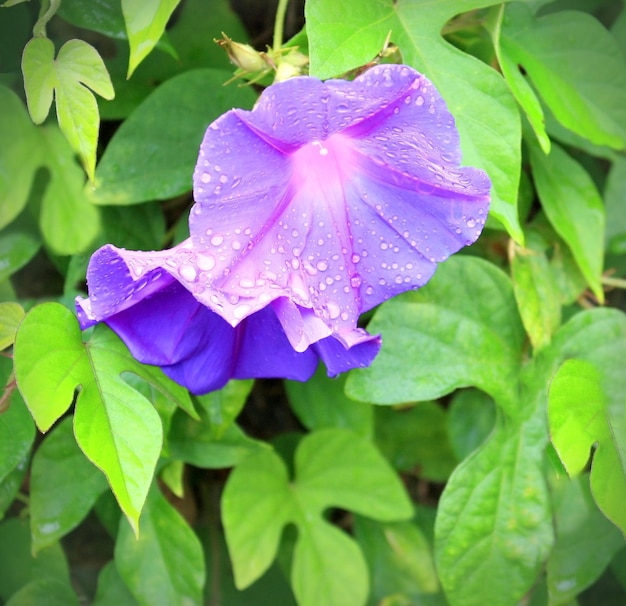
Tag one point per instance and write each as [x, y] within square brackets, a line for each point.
[115, 426]
[259, 501]
[579, 418]
[68, 78]
[11, 314]
[145, 23]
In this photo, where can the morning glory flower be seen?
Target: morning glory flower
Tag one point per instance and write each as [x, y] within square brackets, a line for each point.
[322, 202]
[333, 195]
[165, 325]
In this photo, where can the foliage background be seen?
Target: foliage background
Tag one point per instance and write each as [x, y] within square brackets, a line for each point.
[480, 460]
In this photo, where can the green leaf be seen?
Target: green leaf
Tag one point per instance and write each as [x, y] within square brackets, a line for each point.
[17, 434]
[203, 444]
[521, 89]
[494, 525]
[536, 291]
[579, 417]
[44, 591]
[577, 67]
[399, 558]
[17, 247]
[321, 402]
[112, 589]
[77, 68]
[574, 207]
[471, 418]
[585, 542]
[145, 23]
[68, 221]
[115, 426]
[119, 224]
[173, 476]
[416, 438]
[18, 565]
[615, 230]
[64, 487]
[346, 35]
[19, 154]
[314, 573]
[222, 407]
[11, 314]
[104, 16]
[439, 339]
[259, 501]
[151, 156]
[11, 484]
[165, 565]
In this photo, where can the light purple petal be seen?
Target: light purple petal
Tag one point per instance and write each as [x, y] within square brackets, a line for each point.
[333, 195]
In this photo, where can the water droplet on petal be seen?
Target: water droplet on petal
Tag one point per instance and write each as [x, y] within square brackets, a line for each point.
[333, 310]
[188, 272]
[241, 311]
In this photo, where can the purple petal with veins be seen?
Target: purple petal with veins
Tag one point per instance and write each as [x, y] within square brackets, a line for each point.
[333, 195]
[140, 296]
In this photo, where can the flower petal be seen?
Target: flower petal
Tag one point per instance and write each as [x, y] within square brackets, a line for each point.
[347, 193]
[337, 357]
[146, 300]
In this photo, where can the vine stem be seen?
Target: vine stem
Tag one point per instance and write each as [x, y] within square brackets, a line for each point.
[279, 25]
[47, 11]
[616, 282]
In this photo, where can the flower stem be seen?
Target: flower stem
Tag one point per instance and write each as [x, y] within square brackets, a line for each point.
[279, 25]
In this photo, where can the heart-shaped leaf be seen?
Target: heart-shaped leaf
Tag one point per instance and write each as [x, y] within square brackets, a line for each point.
[115, 426]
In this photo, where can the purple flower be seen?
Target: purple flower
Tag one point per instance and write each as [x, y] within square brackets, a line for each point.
[323, 201]
[163, 324]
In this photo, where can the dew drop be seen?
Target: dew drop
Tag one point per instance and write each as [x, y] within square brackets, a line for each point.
[217, 239]
[241, 311]
[322, 265]
[333, 310]
[205, 262]
[188, 272]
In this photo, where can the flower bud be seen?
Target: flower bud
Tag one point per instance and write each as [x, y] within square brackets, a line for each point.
[243, 55]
